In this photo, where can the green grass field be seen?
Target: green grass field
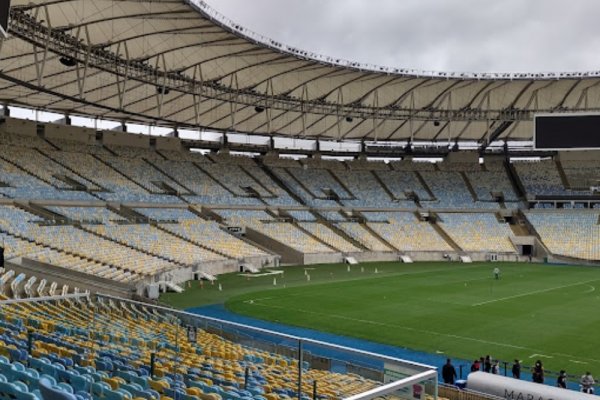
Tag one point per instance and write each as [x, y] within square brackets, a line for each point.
[534, 311]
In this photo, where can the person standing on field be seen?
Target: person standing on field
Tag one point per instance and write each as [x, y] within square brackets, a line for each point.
[496, 273]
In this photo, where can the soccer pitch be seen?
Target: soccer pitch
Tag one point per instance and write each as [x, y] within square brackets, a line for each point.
[532, 312]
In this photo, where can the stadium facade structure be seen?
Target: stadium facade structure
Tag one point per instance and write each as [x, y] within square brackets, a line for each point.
[180, 64]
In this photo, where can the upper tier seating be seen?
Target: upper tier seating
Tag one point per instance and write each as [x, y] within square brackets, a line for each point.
[541, 178]
[478, 232]
[582, 174]
[451, 191]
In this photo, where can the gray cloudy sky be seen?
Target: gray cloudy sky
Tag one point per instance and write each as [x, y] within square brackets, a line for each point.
[441, 35]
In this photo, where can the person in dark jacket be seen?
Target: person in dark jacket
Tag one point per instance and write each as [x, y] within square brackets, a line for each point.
[475, 366]
[487, 366]
[516, 370]
[448, 372]
[561, 381]
[537, 374]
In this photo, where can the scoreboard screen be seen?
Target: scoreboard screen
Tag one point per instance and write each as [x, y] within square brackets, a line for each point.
[566, 131]
[4, 13]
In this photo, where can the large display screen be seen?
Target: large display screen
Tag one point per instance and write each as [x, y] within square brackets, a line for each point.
[566, 131]
[4, 12]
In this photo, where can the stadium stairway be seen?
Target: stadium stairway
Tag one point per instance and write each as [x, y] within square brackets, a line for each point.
[342, 184]
[117, 170]
[318, 239]
[425, 185]
[165, 173]
[281, 183]
[211, 176]
[299, 183]
[383, 185]
[440, 231]
[27, 171]
[68, 168]
[378, 236]
[340, 232]
[122, 243]
[563, 176]
[469, 185]
[516, 182]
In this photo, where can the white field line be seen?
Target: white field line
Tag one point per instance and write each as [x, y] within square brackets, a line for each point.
[516, 296]
[410, 329]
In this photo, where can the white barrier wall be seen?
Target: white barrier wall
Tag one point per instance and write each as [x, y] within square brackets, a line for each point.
[514, 389]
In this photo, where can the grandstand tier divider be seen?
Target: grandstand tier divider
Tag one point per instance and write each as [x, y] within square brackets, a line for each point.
[195, 243]
[165, 173]
[444, 235]
[39, 211]
[425, 185]
[281, 183]
[119, 172]
[65, 166]
[469, 185]
[378, 236]
[563, 176]
[127, 212]
[340, 232]
[383, 185]
[157, 255]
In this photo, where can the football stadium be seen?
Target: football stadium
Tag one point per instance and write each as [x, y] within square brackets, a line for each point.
[190, 210]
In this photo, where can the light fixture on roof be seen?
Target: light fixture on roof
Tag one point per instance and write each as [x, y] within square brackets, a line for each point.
[259, 109]
[349, 119]
[68, 61]
[162, 90]
[436, 123]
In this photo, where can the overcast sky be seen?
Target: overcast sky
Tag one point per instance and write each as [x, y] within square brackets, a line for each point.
[441, 35]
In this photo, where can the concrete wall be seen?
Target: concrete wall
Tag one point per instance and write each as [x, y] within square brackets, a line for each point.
[125, 139]
[322, 258]
[72, 133]
[20, 126]
[168, 143]
[463, 157]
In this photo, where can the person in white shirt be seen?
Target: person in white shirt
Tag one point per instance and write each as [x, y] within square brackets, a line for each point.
[587, 383]
[496, 273]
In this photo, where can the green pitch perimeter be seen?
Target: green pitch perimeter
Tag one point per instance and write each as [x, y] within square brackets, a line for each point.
[533, 312]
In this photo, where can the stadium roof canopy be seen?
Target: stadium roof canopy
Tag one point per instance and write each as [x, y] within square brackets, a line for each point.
[180, 63]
